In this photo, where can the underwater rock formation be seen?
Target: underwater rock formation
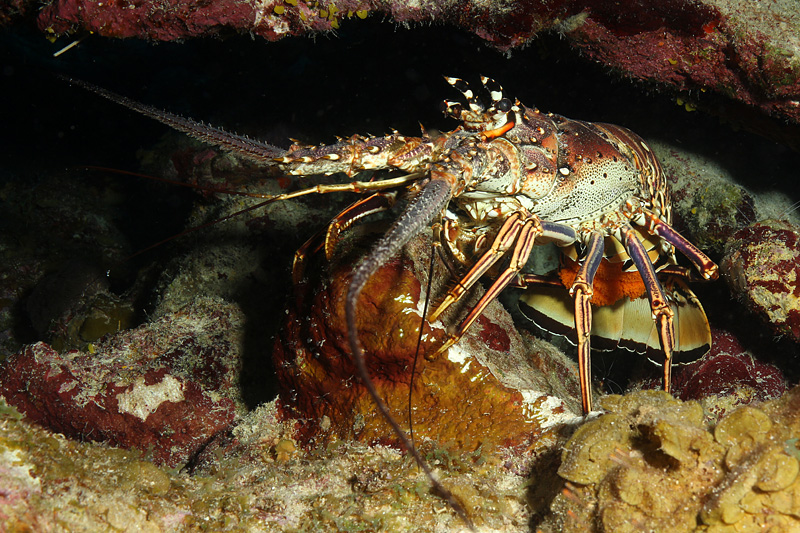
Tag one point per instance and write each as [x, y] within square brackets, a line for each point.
[491, 389]
[652, 464]
[761, 265]
[705, 196]
[164, 388]
[727, 377]
[260, 482]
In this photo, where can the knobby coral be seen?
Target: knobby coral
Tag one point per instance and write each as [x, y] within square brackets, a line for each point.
[652, 464]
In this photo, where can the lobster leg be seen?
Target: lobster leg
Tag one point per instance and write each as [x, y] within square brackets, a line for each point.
[506, 236]
[523, 240]
[708, 269]
[662, 312]
[329, 237]
[581, 291]
[522, 234]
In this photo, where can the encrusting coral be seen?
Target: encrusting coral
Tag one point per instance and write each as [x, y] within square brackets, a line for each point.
[652, 464]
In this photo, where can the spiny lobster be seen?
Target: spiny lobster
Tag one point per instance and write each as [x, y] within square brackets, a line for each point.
[506, 179]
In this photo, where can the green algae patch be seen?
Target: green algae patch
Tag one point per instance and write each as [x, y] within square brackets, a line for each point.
[652, 463]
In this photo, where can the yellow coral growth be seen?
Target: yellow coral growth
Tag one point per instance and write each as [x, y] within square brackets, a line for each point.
[653, 464]
[313, 8]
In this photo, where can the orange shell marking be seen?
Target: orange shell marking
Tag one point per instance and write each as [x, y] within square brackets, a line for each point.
[610, 285]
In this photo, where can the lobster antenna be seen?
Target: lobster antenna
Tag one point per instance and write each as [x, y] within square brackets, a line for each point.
[252, 149]
[416, 216]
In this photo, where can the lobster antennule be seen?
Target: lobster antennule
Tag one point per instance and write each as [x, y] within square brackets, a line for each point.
[495, 89]
[464, 88]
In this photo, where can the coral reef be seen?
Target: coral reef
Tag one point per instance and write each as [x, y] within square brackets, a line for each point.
[652, 464]
[164, 388]
[259, 482]
[517, 390]
[761, 265]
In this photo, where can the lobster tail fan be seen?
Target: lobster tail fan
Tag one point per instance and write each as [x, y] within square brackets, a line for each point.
[625, 324]
[551, 309]
[692, 331]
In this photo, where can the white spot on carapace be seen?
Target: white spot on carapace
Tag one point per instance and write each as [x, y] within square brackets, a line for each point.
[143, 400]
[564, 171]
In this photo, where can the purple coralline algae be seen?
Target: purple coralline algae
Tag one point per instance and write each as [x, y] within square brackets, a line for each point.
[164, 388]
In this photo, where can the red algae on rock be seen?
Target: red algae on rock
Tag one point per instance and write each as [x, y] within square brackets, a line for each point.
[51, 483]
[489, 390]
[727, 377]
[762, 267]
[164, 388]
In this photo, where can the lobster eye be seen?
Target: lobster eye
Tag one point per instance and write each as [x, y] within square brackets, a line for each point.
[504, 104]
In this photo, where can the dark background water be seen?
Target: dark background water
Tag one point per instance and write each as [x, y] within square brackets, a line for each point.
[368, 77]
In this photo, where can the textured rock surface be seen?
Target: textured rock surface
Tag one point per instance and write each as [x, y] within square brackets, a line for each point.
[725, 378]
[762, 263]
[653, 464]
[491, 389]
[253, 478]
[705, 197]
[165, 388]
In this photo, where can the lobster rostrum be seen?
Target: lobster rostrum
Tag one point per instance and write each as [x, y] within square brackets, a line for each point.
[506, 179]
